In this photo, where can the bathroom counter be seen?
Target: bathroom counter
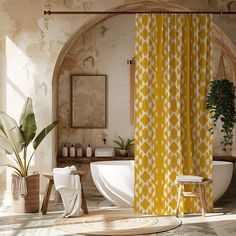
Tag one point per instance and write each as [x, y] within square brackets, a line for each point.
[87, 160]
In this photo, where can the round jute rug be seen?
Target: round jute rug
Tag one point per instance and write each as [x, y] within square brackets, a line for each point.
[117, 222]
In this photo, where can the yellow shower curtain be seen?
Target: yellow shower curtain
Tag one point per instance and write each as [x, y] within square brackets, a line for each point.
[173, 69]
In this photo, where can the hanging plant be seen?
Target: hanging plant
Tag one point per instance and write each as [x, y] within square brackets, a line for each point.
[221, 100]
[221, 103]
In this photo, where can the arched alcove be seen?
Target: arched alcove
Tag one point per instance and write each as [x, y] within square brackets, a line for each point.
[227, 46]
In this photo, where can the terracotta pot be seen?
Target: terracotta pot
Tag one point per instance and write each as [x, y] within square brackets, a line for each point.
[30, 202]
[123, 153]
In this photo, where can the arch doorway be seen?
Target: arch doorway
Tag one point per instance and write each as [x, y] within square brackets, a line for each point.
[227, 46]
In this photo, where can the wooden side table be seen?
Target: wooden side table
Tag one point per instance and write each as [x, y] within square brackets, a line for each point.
[48, 190]
[198, 191]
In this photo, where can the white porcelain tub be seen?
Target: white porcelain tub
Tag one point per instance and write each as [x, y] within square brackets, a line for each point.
[115, 180]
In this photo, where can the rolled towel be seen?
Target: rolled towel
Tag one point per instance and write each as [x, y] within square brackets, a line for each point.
[190, 178]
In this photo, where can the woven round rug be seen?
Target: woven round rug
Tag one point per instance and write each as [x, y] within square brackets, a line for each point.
[117, 222]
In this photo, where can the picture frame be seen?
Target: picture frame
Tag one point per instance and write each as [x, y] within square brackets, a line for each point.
[88, 101]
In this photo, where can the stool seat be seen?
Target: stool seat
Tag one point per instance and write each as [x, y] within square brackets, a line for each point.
[48, 190]
[198, 191]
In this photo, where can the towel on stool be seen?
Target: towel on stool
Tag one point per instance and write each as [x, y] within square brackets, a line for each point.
[189, 178]
[69, 186]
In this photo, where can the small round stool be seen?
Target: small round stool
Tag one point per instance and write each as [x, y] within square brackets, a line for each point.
[198, 191]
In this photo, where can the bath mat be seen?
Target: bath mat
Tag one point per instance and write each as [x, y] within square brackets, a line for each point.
[117, 222]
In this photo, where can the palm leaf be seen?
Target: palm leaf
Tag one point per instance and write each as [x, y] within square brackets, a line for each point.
[5, 144]
[28, 128]
[26, 110]
[40, 137]
[12, 132]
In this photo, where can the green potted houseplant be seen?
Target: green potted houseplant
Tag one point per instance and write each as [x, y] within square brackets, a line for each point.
[221, 103]
[14, 142]
[124, 146]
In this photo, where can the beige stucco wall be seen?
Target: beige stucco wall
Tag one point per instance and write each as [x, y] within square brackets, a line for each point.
[30, 45]
[104, 49]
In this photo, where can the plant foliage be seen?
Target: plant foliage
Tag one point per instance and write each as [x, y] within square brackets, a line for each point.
[124, 144]
[221, 103]
[15, 139]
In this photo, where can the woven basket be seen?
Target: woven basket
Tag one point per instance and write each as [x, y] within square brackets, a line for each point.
[29, 203]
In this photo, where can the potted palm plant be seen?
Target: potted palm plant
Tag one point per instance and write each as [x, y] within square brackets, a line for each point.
[14, 142]
[124, 146]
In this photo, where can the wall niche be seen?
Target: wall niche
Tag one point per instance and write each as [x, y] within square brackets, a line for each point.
[104, 49]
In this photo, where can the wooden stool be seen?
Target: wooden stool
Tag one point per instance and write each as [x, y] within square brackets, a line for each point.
[48, 190]
[199, 193]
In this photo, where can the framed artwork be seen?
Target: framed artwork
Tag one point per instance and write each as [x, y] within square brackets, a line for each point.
[88, 101]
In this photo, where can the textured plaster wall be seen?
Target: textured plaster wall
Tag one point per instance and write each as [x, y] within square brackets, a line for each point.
[102, 50]
[30, 45]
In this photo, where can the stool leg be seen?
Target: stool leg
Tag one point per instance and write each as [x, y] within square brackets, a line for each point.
[202, 199]
[179, 198]
[46, 197]
[84, 204]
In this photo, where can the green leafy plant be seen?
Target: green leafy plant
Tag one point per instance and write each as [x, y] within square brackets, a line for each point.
[124, 144]
[221, 103]
[15, 139]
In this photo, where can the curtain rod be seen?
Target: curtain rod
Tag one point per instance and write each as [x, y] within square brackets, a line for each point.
[135, 12]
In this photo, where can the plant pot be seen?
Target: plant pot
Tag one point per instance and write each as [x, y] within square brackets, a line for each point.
[30, 202]
[123, 152]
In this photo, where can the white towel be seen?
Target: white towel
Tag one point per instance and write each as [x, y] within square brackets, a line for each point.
[69, 187]
[190, 178]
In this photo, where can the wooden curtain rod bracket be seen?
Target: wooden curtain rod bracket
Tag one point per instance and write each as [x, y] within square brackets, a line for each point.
[135, 12]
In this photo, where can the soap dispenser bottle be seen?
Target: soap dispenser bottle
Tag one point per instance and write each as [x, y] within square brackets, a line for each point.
[72, 151]
[65, 151]
[79, 151]
[89, 151]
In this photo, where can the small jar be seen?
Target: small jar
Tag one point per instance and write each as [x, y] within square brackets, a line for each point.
[79, 152]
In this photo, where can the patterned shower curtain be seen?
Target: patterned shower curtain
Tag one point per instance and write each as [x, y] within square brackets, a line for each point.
[173, 70]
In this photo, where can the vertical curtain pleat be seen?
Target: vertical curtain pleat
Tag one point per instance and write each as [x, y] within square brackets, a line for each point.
[173, 70]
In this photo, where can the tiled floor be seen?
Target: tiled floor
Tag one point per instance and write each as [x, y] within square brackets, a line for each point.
[222, 223]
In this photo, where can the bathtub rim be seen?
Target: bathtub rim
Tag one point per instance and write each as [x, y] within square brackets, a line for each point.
[112, 161]
[122, 162]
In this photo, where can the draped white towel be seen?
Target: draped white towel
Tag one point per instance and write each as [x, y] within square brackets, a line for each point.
[190, 178]
[69, 186]
[19, 186]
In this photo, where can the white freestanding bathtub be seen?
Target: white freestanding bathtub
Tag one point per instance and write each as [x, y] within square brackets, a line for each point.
[115, 180]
